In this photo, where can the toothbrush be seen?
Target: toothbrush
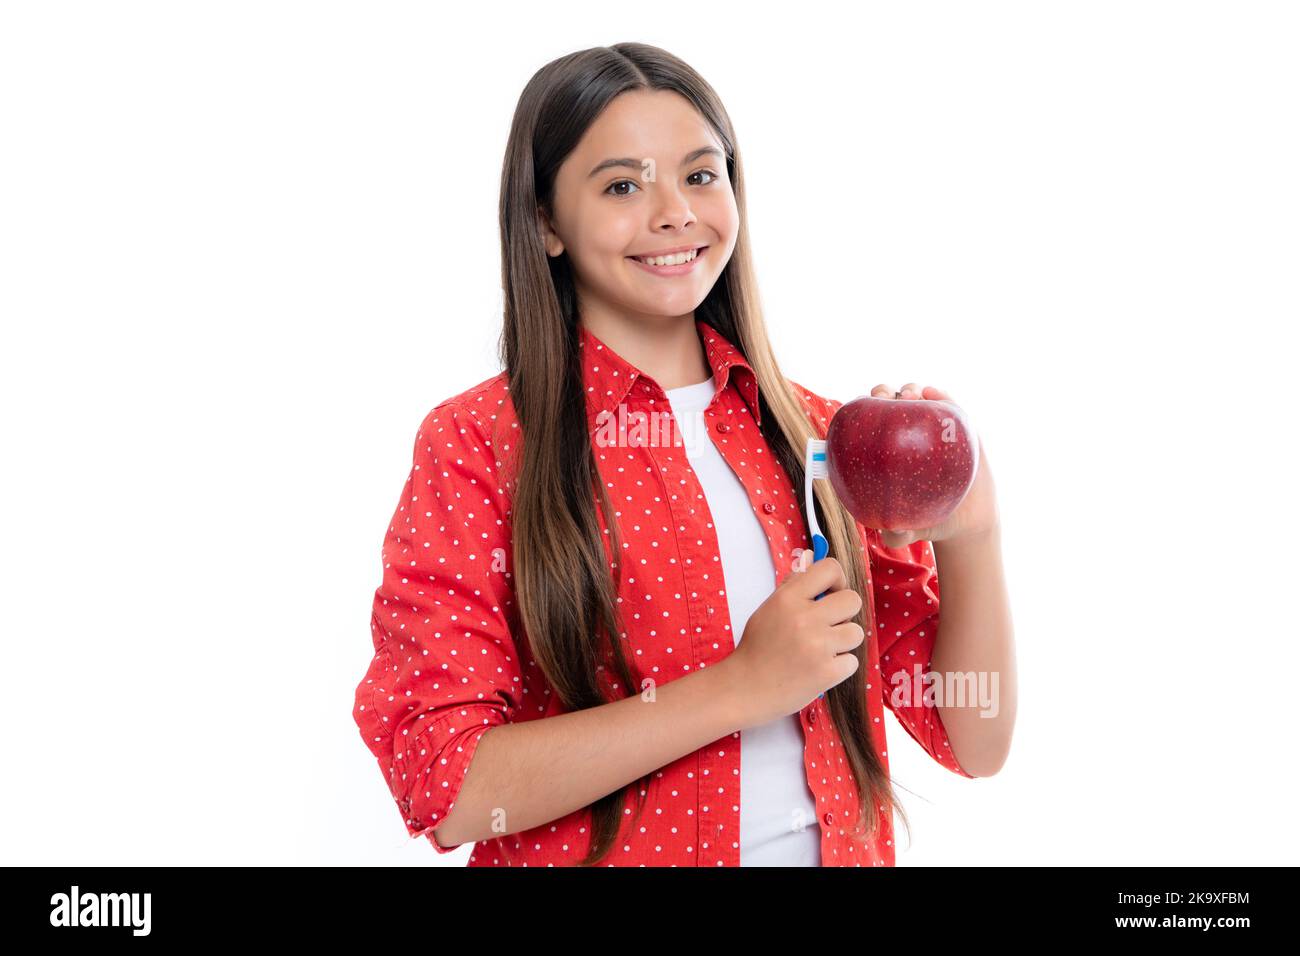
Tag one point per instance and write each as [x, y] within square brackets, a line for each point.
[814, 466]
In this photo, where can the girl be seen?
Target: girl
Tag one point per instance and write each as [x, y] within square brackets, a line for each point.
[599, 643]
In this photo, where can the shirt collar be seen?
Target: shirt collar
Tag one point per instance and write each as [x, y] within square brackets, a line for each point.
[607, 377]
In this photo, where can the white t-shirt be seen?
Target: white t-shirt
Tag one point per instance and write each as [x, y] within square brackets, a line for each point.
[778, 815]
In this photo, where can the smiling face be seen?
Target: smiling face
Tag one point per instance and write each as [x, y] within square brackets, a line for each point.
[648, 176]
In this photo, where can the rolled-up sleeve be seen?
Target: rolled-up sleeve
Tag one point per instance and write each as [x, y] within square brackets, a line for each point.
[445, 668]
[905, 596]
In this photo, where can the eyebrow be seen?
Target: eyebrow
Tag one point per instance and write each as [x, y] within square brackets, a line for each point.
[636, 163]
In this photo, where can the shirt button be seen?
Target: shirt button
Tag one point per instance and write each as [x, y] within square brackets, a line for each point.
[769, 507]
[812, 715]
[829, 818]
[722, 427]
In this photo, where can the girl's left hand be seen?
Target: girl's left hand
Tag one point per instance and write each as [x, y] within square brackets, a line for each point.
[978, 512]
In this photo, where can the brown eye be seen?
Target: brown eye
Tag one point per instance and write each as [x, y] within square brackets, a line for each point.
[621, 182]
[705, 172]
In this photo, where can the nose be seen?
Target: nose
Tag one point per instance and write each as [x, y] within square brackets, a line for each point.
[674, 212]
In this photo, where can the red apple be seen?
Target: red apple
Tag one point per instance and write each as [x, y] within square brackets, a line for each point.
[899, 464]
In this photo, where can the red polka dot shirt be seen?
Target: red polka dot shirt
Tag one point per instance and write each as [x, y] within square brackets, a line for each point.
[447, 666]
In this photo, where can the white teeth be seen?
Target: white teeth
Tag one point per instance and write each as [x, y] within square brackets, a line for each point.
[676, 259]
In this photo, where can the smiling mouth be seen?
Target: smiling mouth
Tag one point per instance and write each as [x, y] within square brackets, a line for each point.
[676, 259]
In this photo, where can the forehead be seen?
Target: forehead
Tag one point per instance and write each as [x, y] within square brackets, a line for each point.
[642, 123]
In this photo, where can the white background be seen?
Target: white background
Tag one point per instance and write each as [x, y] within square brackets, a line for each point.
[246, 246]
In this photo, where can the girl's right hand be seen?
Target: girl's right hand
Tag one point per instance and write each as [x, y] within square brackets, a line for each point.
[795, 646]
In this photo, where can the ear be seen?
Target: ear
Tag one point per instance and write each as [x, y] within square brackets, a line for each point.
[549, 239]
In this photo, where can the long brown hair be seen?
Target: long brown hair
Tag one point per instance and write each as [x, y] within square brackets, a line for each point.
[565, 591]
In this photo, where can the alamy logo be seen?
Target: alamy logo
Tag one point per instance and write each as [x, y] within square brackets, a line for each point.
[101, 909]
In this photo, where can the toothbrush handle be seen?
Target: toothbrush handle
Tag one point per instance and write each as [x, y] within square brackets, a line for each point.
[820, 548]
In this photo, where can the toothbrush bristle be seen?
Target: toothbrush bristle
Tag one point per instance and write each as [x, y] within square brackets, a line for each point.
[817, 459]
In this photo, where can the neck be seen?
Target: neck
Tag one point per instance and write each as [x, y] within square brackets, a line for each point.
[667, 348]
